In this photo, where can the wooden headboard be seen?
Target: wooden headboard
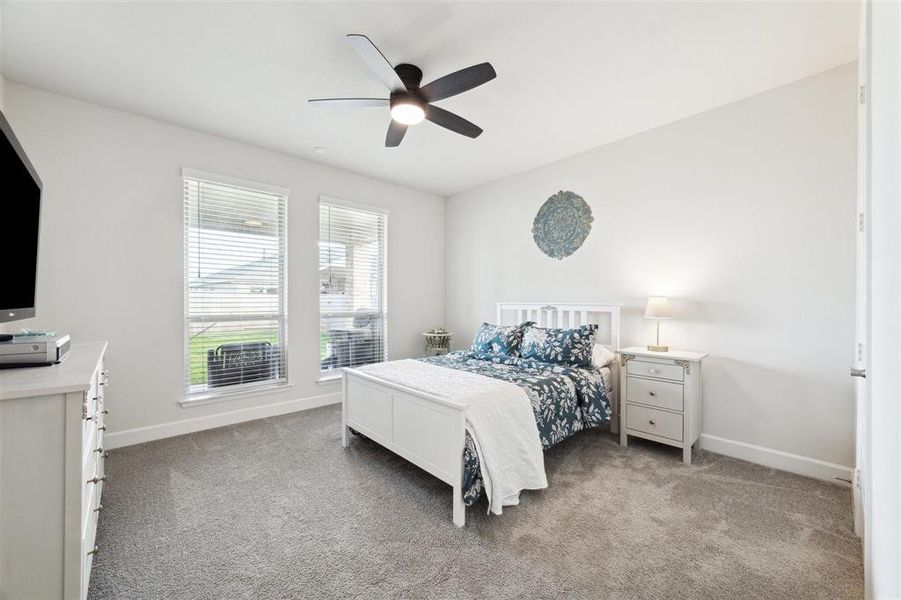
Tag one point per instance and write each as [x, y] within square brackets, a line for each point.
[565, 315]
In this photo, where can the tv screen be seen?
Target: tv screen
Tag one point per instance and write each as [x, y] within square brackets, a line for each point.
[20, 210]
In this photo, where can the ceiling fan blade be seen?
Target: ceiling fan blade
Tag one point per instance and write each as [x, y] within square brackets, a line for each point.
[449, 120]
[376, 61]
[457, 83]
[396, 133]
[349, 102]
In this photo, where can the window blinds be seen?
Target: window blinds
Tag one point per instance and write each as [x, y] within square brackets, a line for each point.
[352, 289]
[235, 318]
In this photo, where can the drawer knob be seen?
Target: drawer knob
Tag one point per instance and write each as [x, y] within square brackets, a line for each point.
[652, 371]
[650, 393]
[95, 551]
[99, 449]
[89, 418]
[105, 411]
[651, 421]
[99, 508]
[97, 480]
[103, 428]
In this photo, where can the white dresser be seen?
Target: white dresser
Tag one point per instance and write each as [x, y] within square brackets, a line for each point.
[661, 397]
[51, 474]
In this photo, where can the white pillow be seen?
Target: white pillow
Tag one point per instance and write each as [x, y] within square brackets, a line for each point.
[601, 356]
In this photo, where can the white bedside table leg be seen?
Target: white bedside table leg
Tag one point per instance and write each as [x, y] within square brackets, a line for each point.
[686, 454]
[623, 438]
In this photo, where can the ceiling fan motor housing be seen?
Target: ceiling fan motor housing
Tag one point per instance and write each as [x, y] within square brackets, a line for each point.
[411, 75]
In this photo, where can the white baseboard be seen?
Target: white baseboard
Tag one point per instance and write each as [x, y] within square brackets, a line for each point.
[776, 459]
[139, 435]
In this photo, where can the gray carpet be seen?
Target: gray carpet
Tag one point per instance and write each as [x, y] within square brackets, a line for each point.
[277, 509]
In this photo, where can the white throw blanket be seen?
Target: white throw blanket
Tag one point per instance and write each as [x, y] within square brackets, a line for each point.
[499, 417]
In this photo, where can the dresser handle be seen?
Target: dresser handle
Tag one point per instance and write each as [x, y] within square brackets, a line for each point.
[651, 421]
[104, 427]
[105, 411]
[95, 551]
[97, 480]
[99, 449]
[652, 371]
[649, 393]
[89, 418]
[99, 508]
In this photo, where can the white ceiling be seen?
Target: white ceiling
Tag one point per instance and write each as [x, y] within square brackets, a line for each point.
[570, 76]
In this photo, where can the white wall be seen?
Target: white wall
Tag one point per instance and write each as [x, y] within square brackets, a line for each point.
[111, 250]
[2, 80]
[744, 215]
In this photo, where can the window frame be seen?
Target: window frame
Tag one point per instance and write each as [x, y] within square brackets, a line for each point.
[383, 212]
[228, 392]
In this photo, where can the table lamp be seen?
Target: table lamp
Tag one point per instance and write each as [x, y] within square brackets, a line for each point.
[657, 309]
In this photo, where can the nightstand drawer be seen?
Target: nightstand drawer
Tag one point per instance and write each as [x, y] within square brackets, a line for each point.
[657, 422]
[664, 394]
[652, 369]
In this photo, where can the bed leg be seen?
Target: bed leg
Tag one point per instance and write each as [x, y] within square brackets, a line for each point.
[345, 430]
[614, 417]
[459, 508]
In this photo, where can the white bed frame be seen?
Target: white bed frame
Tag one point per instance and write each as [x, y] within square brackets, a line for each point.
[429, 430]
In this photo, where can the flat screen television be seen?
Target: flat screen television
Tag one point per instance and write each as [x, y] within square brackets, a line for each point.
[20, 214]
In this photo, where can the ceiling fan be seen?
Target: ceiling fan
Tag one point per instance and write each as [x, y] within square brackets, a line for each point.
[409, 103]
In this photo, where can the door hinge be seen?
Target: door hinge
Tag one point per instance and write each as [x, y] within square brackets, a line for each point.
[861, 221]
[862, 94]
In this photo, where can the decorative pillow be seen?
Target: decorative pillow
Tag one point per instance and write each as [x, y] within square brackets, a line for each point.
[571, 347]
[498, 339]
[601, 356]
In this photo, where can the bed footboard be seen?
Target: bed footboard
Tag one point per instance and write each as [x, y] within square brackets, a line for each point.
[427, 430]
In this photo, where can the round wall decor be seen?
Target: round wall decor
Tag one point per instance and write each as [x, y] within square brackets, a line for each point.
[562, 224]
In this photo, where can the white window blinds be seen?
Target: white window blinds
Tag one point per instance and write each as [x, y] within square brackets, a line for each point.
[235, 317]
[352, 288]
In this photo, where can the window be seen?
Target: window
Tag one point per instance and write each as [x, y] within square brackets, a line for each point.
[235, 317]
[352, 308]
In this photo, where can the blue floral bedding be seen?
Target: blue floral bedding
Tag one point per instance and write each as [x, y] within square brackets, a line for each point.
[565, 400]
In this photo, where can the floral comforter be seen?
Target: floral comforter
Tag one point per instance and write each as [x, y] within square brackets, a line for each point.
[564, 399]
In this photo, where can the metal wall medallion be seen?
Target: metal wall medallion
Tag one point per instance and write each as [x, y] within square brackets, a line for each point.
[562, 224]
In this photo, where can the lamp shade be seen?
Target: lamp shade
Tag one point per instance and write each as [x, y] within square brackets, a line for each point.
[657, 308]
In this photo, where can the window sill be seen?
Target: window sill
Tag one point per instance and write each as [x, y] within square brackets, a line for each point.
[236, 394]
[329, 379]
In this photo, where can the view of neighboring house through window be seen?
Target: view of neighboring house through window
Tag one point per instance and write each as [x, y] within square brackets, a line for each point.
[352, 310]
[235, 316]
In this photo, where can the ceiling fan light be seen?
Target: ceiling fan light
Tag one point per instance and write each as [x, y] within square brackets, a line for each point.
[407, 113]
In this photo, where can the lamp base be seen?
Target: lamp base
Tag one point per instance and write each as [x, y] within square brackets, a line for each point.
[653, 348]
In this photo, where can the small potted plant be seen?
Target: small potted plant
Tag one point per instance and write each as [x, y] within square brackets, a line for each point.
[437, 341]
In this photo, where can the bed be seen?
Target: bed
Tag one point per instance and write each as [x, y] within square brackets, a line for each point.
[434, 411]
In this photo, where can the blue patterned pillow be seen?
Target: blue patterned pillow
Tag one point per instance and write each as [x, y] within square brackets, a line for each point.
[498, 339]
[563, 346]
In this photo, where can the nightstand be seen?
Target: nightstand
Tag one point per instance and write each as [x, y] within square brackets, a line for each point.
[661, 397]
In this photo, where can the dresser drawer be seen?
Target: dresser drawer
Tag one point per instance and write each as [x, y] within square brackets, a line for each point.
[664, 394]
[654, 421]
[653, 369]
[93, 468]
[89, 541]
